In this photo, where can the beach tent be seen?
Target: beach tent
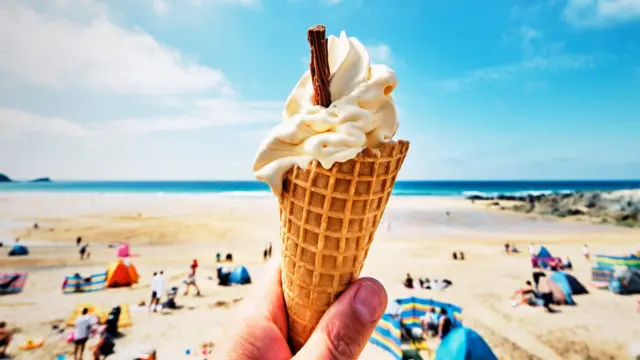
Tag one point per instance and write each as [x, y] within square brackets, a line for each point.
[18, 250]
[630, 281]
[559, 298]
[121, 273]
[12, 283]
[463, 343]
[97, 311]
[76, 284]
[240, 276]
[569, 285]
[123, 251]
[544, 253]
[387, 335]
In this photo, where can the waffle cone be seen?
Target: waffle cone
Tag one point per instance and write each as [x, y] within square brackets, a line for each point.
[328, 219]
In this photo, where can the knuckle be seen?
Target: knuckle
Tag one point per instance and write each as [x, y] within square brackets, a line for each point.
[342, 343]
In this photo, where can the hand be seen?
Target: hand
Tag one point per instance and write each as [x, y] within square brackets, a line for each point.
[259, 330]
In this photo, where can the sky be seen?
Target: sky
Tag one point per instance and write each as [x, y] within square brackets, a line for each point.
[187, 89]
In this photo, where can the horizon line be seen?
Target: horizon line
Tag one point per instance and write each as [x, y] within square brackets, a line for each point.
[253, 180]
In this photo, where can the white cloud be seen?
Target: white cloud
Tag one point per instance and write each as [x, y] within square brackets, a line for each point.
[207, 113]
[160, 7]
[381, 54]
[202, 113]
[537, 56]
[97, 55]
[16, 123]
[595, 13]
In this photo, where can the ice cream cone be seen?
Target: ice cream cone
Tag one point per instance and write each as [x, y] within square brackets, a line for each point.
[328, 220]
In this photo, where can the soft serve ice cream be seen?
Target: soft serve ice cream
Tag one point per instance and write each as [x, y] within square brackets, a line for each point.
[362, 115]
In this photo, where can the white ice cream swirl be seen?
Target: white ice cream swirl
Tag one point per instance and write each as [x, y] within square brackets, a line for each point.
[362, 114]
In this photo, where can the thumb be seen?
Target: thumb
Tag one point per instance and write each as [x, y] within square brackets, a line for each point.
[346, 327]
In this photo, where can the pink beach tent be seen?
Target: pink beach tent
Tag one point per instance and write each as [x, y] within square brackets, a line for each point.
[123, 251]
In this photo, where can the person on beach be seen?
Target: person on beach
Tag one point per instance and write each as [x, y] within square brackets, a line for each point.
[444, 324]
[258, 329]
[545, 294]
[265, 253]
[269, 250]
[81, 333]
[5, 339]
[566, 263]
[104, 346]
[408, 281]
[586, 252]
[83, 251]
[506, 247]
[430, 322]
[78, 240]
[514, 249]
[532, 250]
[191, 278]
[525, 293]
[155, 296]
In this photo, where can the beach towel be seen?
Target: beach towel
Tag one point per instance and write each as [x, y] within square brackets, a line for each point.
[12, 283]
[74, 284]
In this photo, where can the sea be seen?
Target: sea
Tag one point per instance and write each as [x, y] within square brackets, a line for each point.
[255, 188]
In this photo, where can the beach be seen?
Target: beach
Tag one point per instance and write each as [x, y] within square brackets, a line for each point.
[417, 236]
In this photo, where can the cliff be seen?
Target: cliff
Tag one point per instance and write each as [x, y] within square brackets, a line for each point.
[620, 207]
[4, 178]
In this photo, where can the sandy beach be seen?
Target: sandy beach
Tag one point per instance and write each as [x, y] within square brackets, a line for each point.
[168, 231]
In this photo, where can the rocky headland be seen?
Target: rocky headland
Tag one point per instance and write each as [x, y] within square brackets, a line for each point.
[620, 207]
[5, 179]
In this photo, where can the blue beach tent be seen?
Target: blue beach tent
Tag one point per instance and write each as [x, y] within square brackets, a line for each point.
[544, 253]
[570, 286]
[19, 250]
[240, 276]
[463, 343]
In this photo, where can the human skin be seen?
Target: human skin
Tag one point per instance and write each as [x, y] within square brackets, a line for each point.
[258, 329]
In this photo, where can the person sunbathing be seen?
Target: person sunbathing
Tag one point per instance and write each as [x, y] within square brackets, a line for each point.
[526, 294]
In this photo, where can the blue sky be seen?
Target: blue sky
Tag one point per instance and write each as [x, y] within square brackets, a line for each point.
[186, 89]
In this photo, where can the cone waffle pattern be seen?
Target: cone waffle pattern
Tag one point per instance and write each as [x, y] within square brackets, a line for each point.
[328, 220]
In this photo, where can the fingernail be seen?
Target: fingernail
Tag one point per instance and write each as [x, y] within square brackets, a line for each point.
[369, 302]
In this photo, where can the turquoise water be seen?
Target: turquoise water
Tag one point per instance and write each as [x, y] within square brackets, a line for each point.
[250, 188]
